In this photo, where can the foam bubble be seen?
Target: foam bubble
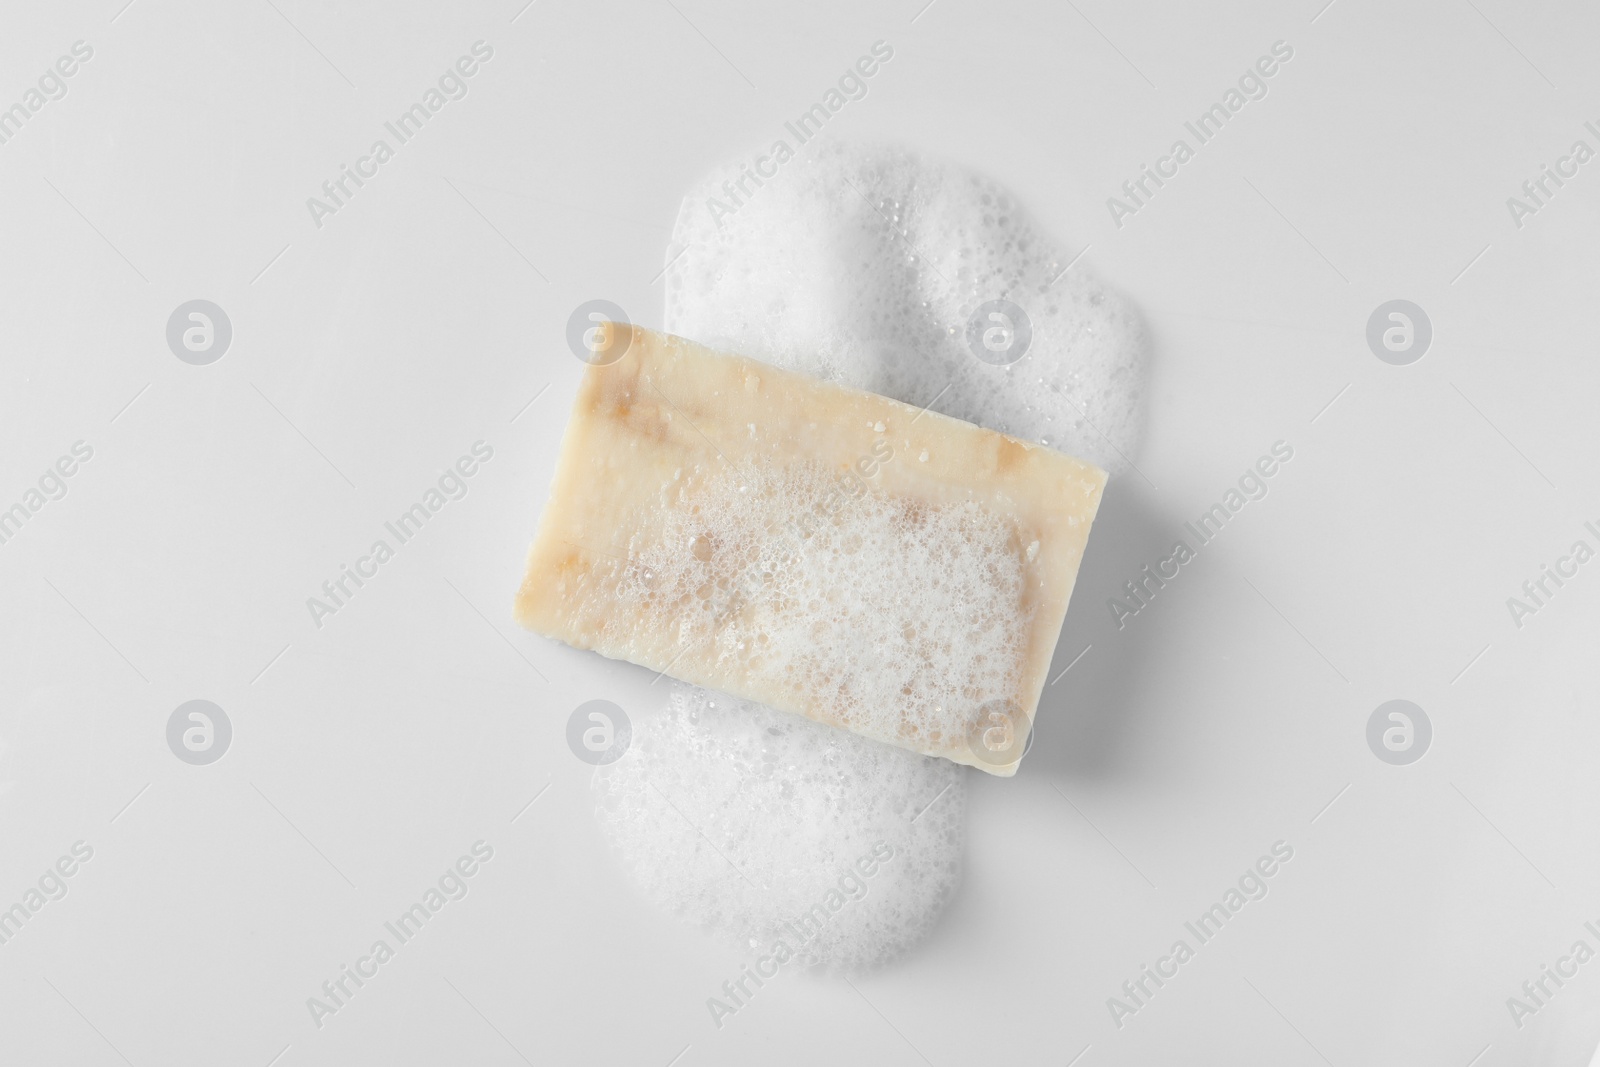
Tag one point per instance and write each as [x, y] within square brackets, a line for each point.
[852, 605]
[863, 266]
[860, 266]
[743, 819]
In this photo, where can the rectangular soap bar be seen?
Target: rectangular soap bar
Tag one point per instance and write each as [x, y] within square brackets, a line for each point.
[821, 550]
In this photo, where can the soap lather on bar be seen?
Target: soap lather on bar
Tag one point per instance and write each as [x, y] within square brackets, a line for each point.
[825, 551]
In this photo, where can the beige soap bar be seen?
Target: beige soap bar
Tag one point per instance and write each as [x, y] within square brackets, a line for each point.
[824, 551]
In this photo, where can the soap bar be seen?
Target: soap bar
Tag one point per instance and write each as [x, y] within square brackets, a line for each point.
[821, 550]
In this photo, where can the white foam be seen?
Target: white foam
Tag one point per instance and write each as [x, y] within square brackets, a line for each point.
[858, 266]
[855, 605]
[863, 266]
[741, 818]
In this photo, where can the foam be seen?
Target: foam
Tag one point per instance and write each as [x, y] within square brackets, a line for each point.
[737, 817]
[859, 266]
[862, 266]
[855, 606]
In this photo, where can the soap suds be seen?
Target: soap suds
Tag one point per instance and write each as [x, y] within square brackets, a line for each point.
[860, 266]
[740, 818]
[863, 267]
[854, 606]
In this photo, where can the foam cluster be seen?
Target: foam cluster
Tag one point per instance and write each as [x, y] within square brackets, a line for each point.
[860, 266]
[864, 266]
[744, 819]
[858, 606]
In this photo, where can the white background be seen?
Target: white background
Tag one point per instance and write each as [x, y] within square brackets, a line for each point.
[370, 353]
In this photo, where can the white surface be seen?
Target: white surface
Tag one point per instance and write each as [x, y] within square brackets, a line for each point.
[415, 722]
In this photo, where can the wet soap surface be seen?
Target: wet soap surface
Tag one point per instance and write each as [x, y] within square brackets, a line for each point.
[826, 551]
